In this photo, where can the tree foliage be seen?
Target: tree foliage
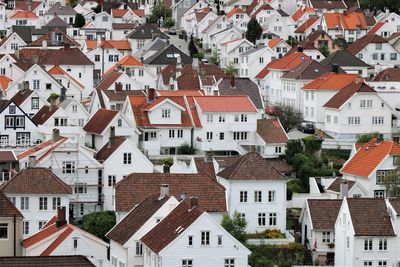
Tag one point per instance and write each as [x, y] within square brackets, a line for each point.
[236, 226]
[79, 21]
[254, 30]
[186, 149]
[325, 51]
[215, 57]
[293, 147]
[169, 22]
[365, 138]
[159, 10]
[97, 9]
[392, 181]
[392, 5]
[99, 223]
[52, 97]
[192, 47]
[277, 255]
[288, 116]
[231, 69]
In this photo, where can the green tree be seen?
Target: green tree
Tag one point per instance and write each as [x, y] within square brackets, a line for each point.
[365, 138]
[97, 9]
[192, 47]
[215, 57]
[52, 97]
[79, 21]
[231, 69]
[254, 30]
[236, 226]
[186, 149]
[99, 223]
[169, 22]
[288, 116]
[392, 5]
[159, 10]
[392, 181]
[325, 51]
[293, 147]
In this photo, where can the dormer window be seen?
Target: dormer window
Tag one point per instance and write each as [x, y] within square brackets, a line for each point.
[166, 113]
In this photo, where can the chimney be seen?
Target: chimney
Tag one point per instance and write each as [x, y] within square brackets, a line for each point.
[63, 93]
[345, 13]
[300, 49]
[44, 44]
[232, 81]
[194, 202]
[344, 189]
[98, 44]
[178, 65]
[67, 47]
[164, 191]
[32, 162]
[25, 85]
[196, 65]
[118, 87]
[61, 218]
[56, 135]
[16, 53]
[112, 135]
[151, 95]
[35, 59]
[335, 68]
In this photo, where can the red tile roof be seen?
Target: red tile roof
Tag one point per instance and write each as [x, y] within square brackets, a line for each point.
[301, 11]
[7, 209]
[57, 241]
[136, 187]
[108, 79]
[225, 104]
[235, 10]
[35, 181]
[46, 261]
[139, 12]
[288, 62]
[118, 13]
[100, 120]
[168, 93]
[263, 73]
[24, 15]
[21, 96]
[341, 97]
[261, 8]
[176, 222]
[251, 167]
[362, 42]
[307, 24]
[4, 82]
[44, 114]
[127, 61]
[49, 145]
[346, 21]
[369, 156]
[376, 27]
[271, 131]
[323, 213]
[109, 148]
[331, 81]
[274, 41]
[57, 71]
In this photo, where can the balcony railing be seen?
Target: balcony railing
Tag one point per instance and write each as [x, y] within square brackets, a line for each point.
[5, 176]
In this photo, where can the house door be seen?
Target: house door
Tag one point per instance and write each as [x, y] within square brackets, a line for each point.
[305, 234]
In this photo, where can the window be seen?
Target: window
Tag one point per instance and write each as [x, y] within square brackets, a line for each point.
[74, 108]
[25, 226]
[239, 135]
[368, 244]
[41, 224]
[366, 103]
[335, 119]
[187, 263]
[12, 200]
[36, 84]
[271, 196]
[3, 230]
[261, 219]
[382, 244]
[375, 56]
[209, 136]
[82, 209]
[127, 158]
[347, 242]
[166, 113]
[43, 203]
[171, 133]
[24, 203]
[328, 118]
[14, 46]
[243, 196]
[113, 261]
[179, 133]
[68, 166]
[367, 263]
[205, 238]
[326, 237]
[141, 72]
[139, 248]
[190, 240]
[378, 46]
[221, 136]
[111, 180]
[278, 150]
[48, 85]
[60, 122]
[128, 87]
[243, 117]
[261, 60]
[236, 118]
[113, 58]
[97, 58]
[258, 196]
[219, 241]
[209, 117]
[35, 103]
[229, 263]
[393, 56]
[272, 219]
[119, 122]
[56, 202]
[379, 194]
[382, 264]
[379, 120]
[221, 118]
[354, 120]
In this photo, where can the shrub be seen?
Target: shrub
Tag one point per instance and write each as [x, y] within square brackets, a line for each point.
[52, 97]
[274, 234]
[186, 149]
[236, 226]
[99, 223]
[365, 138]
[168, 23]
[168, 161]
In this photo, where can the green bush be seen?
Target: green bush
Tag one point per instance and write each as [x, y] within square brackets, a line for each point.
[365, 138]
[99, 223]
[296, 186]
[293, 147]
[168, 161]
[236, 226]
[186, 149]
[276, 255]
[199, 55]
[169, 22]
[52, 97]
[312, 145]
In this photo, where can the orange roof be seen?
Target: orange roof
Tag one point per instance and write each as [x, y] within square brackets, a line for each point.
[117, 44]
[289, 61]
[301, 11]
[347, 21]
[127, 61]
[307, 24]
[24, 15]
[376, 27]
[4, 82]
[47, 252]
[264, 72]
[118, 13]
[331, 81]
[274, 41]
[225, 104]
[47, 144]
[369, 156]
[234, 11]
[139, 12]
[42, 234]
[56, 70]
[167, 93]
[91, 44]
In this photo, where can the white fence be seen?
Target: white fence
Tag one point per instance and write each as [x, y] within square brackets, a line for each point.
[264, 241]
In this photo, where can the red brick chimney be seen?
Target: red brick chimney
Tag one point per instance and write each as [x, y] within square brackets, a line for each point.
[61, 220]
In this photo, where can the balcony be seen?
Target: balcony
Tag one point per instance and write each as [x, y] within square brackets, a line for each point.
[5, 176]
[84, 198]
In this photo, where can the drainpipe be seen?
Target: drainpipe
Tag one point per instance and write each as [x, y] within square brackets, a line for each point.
[15, 236]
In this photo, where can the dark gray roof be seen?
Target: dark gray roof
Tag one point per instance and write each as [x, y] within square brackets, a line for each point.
[243, 86]
[166, 57]
[58, 9]
[308, 70]
[157, 44]
[45, 261]
[146, 31]
[252, 50]
[344, 59]
[282, 13]
[57, 22]
[25, 32]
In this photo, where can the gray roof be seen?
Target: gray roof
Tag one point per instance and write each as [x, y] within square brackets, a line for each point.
[243, 86]
[25, 32]
[157, 44]
[308, 70]
[343, 58]
[164, 57]
[58, 9]
[282, 13]
[252, 50]
[146, 31]
[57, 22]
[66, 102]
